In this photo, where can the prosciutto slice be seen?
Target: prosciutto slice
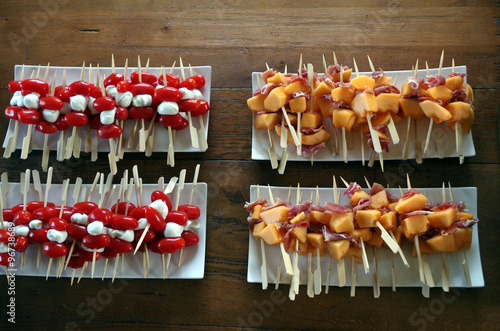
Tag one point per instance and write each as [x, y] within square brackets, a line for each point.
[278, 203]
[353, 188]
[250, 205]
[268, 74]
[415, 82]
[386, 89]
[362, 204]
[304, 206]
[286, 231]
[332, 236]
[435, 80]
[336, 208]
[376, 188]
[252, 222]
[459, 95]
[414, 213]
[310, 150]
[411, 192]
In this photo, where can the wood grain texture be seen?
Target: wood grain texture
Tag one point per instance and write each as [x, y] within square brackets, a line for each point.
[237, 37]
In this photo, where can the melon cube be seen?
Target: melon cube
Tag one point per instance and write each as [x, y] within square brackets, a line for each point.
[256, 212]
[464, 216]
[277, 214]
[345, 77]
[298, 105]
[341, 222]
[298, 218]
[343, 93]
[325, 106]
[320, 217]
[411, 108]
[379, 200]
[382, 81]
[257, 229]
[311, 120]
[463, 238]
[388, 220]
[338, 249]
[425, 249]
[367, 218]
[365, 233]
[315, 138]
[435, 111]
[413, 203]
[343, 118]
[362, 81]
[276, 99]
[414, 225]
[297, 86]
[358, 195]
[443, 218]
[454, 83]
[271, 235]
[376, 239]
[322, 89]
[277, 79]
[317, 240]
[388, 102]
[356, 253]
[266, 121]
[442, 243]
[256, 103]
[364, 103]
[300, 232]
[439, 92]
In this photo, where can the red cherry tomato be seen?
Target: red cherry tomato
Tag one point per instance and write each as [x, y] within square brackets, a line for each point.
[104, 103]
[168, 93]
[5, 259]
[13, 112]
[96, 242]
[76, 231]
[123, 86]
[58, 224]
[30, 116]
[34, 205]
[100, 214]
[121, 222]
[150, 235]
[109, 253]
[138, 213]
[67, 212]
[46, 127]
[8, 215]
[121, 113]
[44, 214]
[142, 88]
[140, 249]
[52, 103]
[75, 119]
[80, 87]
[204, 108]
[34, 85]
[61, 125]
[88, 256]
[122, 206]
[153, 246]
[22, 217]
[15, 85]
[21, 243]
[113, 79]
[120, 246]
[95, 92]
[76, 262]
[64, 95]
[189, 105]
[54, 249]
[146, 77]
[170, 120]
[38, 236]
[141, 112]
[109, 131]
[200, 81]
[171, 245]
[94, 122]
[155, 219]
[17, 208]
[182, 126]
[192, 212]
[190, 238]
[5, 235]
[159, 195]
[177, 216]
[189, 83]
[84, 207]
[172, 80]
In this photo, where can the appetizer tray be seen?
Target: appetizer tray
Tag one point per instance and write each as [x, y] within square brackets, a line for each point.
[193, 257]
[404, 277]
[182, 139]
[260, 139]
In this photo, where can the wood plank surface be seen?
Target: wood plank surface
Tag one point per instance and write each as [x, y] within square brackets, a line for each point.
[236, 38]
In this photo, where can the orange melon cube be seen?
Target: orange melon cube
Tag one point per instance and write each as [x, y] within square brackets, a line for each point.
[315, 138]
[341, 222]
[468, 91]
[442, 243]
[463, 238]
[325, 107]
[311, 120]
[362, 81]
[393, 205]
[388, 220]
[343, 118]
[345, 77]
[364, 103]
[382, 81]
[278, 214]
[338, 249]
[256, 212]
[367, 218]
[298, 218]
[388, 102]
[376, 239]
[459, 110]
[381, 119]
[289, 137]
[358, 195]
[300, 232]
[317, 240]
[297, 87]
[266, 121]
[320, 217]
[406, 89]
[435, 111]
[277, 79]
[454, 83]
[356, 253]
[415, 202]
[361, 124]
[464, 216]
[439, 92]
[343, 93]
[322, 89]
[298, 105]
[411, 108]
[365, 233]
[271, 235]
[257, 230]
[414, 225]
[256, 103]
[276, 99]
[443, 218]
[379, 200]
[424, 248]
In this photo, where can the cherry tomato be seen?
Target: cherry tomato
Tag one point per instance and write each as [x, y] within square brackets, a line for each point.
[75, 119]
[171, 245]
[84, 207]
[96, 242]
[15, 85]
[94, 122]
[46, 127]
[34, 205]
[109, 131]
[44, 214]
[109, 253]
[8, 215]
[200, 81]
[34, 85]
[146, 77]
[52, 103]
[140, 249]
[21, 243]
[76, 262]
[58, 224]
[122, 206]
[138, 213]
[190, 238]
[30, 116]
[95, 92]
[153, 246]
[22, 217]
[141, 112]
[204, 108]
[5, 235]
[170, 120]
[88, 256]
[38, 236]
[192, 212]
[189, 105]
[177, 216]
[80, 87]
[155, 219]
[104, 103]
[17, 208]
[121, 113]
[100, 214]
[13, 112]
[159, 195]
[121, 222]
[64, 95]
[123, 86]
[168, 93]
[67, 212]
[76, 231]
[142, 88]
[5, 259]
[172, 80]
[120, 246]
[54, 249]
[150, 235]
[189, 83]
[113, 79]
[61, 125]
[182, 126]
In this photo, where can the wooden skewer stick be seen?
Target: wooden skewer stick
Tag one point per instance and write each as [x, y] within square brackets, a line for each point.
[271, 150]
[310, 276]
[376, 281]
[353, 277]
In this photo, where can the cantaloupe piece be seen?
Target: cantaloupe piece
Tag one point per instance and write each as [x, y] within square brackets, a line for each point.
[317, 240]
[266, 121]
[320, 217]
[393, 205]
[454, 83]
[442, 243]
[388, 221]
[311, 120]
[443, 218]
[289, 136]
[411, 108]
[298, 218]
[358, 195]
[277, 79]
[415, 202]
[379, 200]
[382, 81]
[468, 92]
[257, 228]
[345, 77]
[277, 214]
[256, 212]
[367, 218]
[338, 249]
[343, 93]
[361, 124]
[424, 248]
[365, 233]
[363, 81]
[343, 118]
[435, 111]
[439, 92]
[414, 225]
[315, 138]
[461, 112]
[300, 232]
[464, 216]
[271, 235]
[322, 89]
[364, 103]
[297, 86]
[463, 238]
[376, 239]
[356, 253]
[276, 99]
[406, 89]
[325, 106]
[341, 222]
[388, 102]
[256, 103]
[298, 105]
[381, 119]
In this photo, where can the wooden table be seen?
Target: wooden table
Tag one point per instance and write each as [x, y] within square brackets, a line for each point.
[236, 38]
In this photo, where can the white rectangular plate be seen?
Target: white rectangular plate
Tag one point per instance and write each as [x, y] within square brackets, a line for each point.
[193, 258]
[260, 139]
[404, 277]
[182, 138]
